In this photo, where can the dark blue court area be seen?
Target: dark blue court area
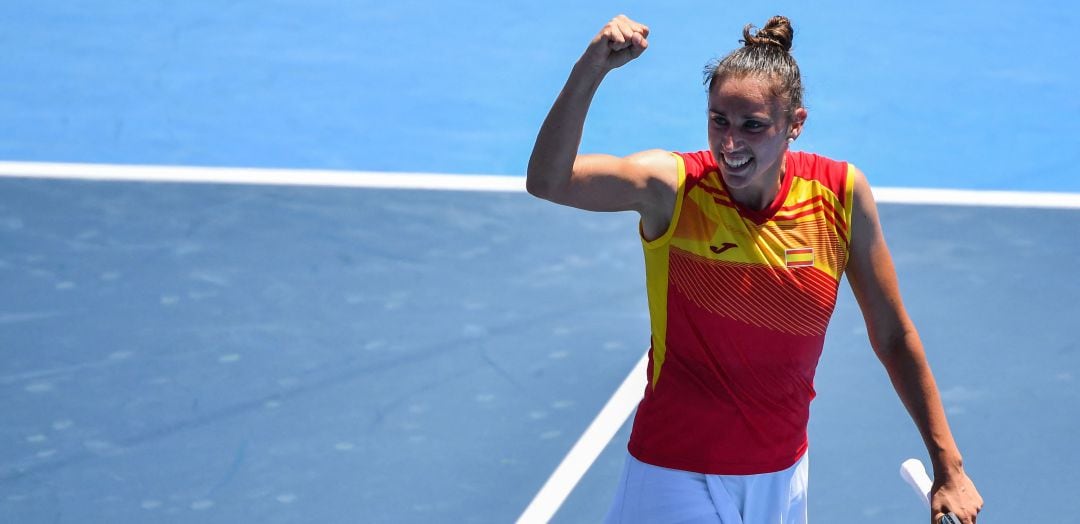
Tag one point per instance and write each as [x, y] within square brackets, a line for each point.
[208, 353]
[220, 353]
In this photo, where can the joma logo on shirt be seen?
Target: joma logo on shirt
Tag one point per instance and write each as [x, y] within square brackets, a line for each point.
[722, 247]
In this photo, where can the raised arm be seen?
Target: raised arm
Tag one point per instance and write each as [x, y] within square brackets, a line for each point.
[896, 342]
[644, 182]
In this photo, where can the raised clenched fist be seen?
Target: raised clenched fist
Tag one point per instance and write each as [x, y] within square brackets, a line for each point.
[619, 42]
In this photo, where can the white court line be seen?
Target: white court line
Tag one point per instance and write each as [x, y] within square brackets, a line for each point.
[588, 447]
[968, 197]
[450, 182]
[262, 176]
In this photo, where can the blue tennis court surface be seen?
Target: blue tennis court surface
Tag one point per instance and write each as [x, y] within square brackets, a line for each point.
[224, 353]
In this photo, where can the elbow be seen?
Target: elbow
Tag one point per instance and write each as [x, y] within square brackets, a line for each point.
[536, 185]
[540, 186]
[892, 343]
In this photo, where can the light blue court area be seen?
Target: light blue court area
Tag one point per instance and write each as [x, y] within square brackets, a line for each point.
[919, 94]
[258, 353]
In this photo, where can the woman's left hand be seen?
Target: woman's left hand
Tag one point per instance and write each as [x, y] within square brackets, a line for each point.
[955, 493]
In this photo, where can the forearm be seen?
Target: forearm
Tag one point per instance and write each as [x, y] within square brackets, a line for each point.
[909, 371]
[552, 161]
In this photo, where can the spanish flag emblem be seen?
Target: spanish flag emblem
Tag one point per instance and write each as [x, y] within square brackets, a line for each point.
[799, 257]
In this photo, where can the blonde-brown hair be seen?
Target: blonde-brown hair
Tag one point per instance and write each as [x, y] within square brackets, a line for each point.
[766, 52]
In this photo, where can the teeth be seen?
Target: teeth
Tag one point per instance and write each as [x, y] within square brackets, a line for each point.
[736, 163]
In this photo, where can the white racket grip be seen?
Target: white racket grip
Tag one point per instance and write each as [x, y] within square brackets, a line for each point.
[913, 472]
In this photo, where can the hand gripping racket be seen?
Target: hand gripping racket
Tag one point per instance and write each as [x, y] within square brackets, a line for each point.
[914, 473]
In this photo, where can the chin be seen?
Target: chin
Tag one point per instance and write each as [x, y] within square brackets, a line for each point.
[735, 181]
[741, 180]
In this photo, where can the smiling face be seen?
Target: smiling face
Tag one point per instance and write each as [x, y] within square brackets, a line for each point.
[748, 135]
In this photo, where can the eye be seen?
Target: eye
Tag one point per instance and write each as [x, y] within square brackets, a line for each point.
[754, 125]
[719, 120]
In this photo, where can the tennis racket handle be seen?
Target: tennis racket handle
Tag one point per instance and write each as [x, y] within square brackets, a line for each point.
[913, 472]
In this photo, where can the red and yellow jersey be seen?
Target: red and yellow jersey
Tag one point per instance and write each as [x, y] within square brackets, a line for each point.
[739, 301]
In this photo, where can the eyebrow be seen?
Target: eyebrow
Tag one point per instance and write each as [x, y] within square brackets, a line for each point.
[755, 116]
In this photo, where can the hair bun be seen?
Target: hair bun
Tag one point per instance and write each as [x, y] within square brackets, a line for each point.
[777, 32]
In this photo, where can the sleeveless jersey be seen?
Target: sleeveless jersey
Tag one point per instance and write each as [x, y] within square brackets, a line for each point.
[739, 301]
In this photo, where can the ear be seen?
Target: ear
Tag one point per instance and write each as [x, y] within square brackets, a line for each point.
[798, 118]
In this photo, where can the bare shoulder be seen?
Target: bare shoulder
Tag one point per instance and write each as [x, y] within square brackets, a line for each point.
[660, 162]
[659, 173]
[861, 187]
[660, 176]
[864, 216]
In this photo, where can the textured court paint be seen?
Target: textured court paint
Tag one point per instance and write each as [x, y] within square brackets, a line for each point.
[588, 447]
[453, 182]
[293, 354]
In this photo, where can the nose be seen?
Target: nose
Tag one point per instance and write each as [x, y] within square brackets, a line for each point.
[727, 140]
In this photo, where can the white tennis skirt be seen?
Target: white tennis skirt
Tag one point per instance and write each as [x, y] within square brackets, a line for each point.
[654, 495]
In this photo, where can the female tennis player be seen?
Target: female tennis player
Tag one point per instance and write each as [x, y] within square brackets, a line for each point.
[745, 244]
